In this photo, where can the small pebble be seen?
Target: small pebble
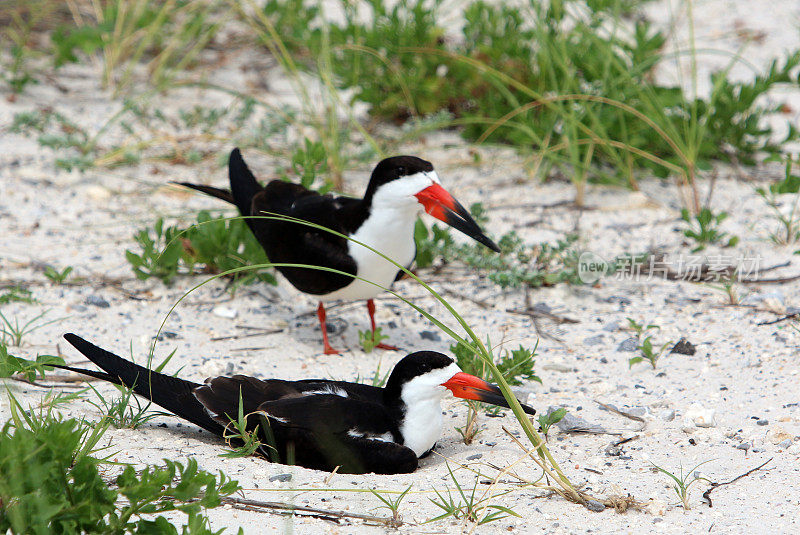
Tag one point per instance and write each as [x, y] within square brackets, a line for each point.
[571, 424]
[97, 301]
[762, 421]
[699, 416]
[475, 457]
[542, 308]
[596, 506]
[593, 340]
[225, 312]
[433, 336]
[667, 415]
[683, 347]
[611, 327]
[282, 478]
[743, 446]
[629, 344]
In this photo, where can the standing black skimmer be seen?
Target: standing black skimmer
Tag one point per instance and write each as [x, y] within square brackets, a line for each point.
[399, 189]
[319, 423]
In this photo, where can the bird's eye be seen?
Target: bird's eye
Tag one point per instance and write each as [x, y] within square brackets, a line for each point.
[424, 368]
[401, 171]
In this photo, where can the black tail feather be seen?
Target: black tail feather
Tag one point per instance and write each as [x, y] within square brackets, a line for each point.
[219, 193]
[175, 395]
[244, 185]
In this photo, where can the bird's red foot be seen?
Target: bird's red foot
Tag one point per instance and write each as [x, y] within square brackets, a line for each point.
[329, 350]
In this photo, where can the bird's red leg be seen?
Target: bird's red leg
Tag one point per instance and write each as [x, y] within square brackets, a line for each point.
[371, 310]
[321, 315]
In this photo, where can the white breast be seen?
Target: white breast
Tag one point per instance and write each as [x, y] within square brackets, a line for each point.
[422, 422]
[390, 230]
[422, 425]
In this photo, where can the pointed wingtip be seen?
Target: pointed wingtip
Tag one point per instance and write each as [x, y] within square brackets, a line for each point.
[73, 338]
[492, 245]
[79, 343]
[236, 155]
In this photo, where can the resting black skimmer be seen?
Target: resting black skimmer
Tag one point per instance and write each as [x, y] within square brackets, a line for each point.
[319, 423]
[399, 189]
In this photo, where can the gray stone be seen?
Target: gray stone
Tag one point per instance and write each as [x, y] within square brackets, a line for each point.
[641, 412]
[667, 415]
[743, 446]
[167, 335]
[97, 301]
[611, 327]
[475, 457]
[629, 344]
[683, 347]
[593, 340]
[596, 506]
[282, 478]
[575, 424]
[433, 336]
[762, 421]
[785, 444]
[542, 308]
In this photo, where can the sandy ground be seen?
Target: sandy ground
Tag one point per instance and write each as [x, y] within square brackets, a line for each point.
[745, 372]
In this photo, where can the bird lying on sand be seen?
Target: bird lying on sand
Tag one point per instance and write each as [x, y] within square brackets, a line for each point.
[315, 423]
[399, 189]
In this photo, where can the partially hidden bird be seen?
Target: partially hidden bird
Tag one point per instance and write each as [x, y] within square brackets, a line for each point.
[400, 188]
[314, 423]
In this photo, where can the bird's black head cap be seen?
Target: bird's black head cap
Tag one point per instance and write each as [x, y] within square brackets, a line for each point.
[411, 366]
[393, 168]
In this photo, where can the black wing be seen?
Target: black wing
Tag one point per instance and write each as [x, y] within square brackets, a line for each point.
[287, 242]
[319, 431]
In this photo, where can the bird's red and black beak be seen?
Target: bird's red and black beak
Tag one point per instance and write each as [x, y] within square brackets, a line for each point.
[466, 386]
[444, 207]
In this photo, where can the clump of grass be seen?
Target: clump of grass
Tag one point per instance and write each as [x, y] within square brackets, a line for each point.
[369, 339]
[727, 286]
[683, 482]
[515, 365]
[248, 440]
[641, 329]
[393, 505]
[648, 353]
[213, 245]
[56, 276]
[12, 333]
[166, 36]
[17, 294]
[120, 413]
[470, 505]
[30, 370]
[788, 221]
[17, 37]
[377, 379]
[50, 482]
[645, 347]
[546, 421]
[704, 229]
